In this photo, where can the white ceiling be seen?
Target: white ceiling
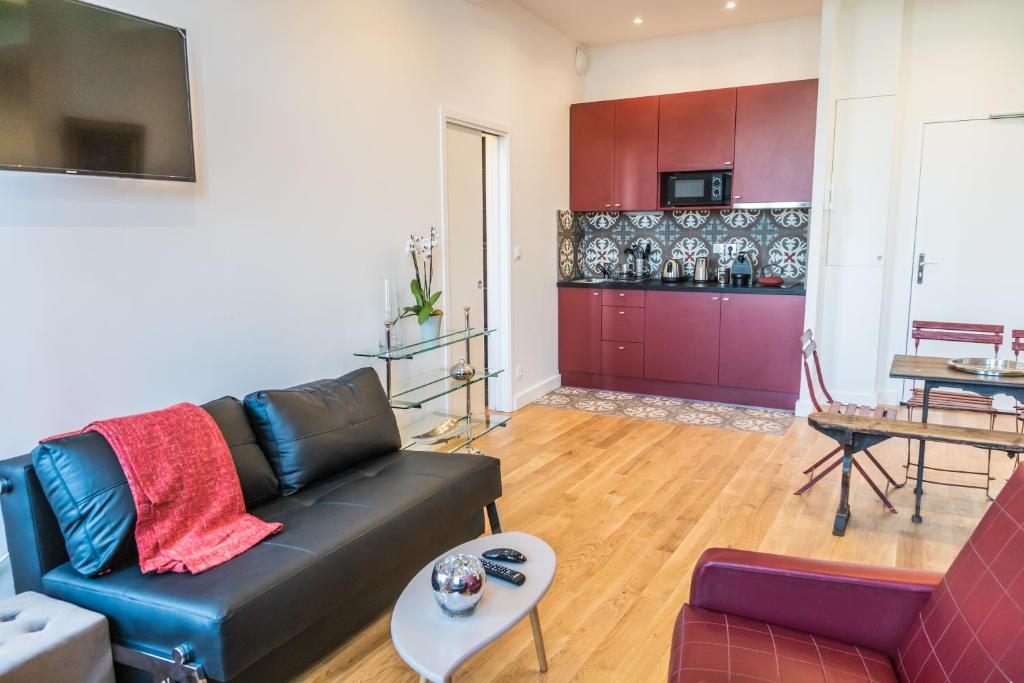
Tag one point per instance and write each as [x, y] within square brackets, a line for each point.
[601, 22]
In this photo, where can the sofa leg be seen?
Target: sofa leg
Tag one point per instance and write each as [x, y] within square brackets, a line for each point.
[178, 669]
[492, 517]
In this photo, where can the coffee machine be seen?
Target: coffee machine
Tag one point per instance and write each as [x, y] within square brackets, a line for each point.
[742, 272]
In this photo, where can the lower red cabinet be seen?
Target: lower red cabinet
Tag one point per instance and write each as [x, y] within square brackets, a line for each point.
[579, 329]
[681, 336]
[736, 348]
[760, 342]
[622, 324]
[625, 359]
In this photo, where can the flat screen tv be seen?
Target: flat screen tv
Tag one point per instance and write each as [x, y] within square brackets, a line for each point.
[87, 90]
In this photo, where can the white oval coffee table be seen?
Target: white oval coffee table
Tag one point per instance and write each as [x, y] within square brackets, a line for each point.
[435, 645]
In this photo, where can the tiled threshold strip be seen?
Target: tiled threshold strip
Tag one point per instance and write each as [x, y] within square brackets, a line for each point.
[670, 410]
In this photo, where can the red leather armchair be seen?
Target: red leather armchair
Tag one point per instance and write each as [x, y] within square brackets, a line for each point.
[760, 617]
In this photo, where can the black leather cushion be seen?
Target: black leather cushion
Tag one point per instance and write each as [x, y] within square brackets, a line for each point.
[87, 489]
[259, 483]
[392, 514]
[89, 494]
[318, 429]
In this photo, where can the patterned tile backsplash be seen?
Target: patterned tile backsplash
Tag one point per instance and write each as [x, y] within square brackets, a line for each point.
[771, 236]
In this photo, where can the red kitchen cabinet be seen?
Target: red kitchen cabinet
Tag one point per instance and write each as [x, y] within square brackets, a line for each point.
[681, 336]
[622, 359]
[774, 158]
[579, 329]
[760, 342]
[592, 156]
[697, 130]
[636, 154]
[613, 155]
[622, 324]
[623, 297]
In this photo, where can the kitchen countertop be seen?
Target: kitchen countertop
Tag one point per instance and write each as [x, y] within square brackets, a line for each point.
[655, 284]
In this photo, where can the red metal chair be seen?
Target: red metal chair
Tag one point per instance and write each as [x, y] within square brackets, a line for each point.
[810, 352]
[760, 617]
[961, 401]
[1017, 346]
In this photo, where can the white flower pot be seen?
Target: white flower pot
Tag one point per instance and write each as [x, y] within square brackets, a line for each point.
[430, 329]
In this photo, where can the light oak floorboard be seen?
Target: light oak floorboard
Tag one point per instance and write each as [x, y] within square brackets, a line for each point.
[629, 505]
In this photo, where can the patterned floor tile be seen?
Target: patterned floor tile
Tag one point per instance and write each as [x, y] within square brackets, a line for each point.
[671, 410]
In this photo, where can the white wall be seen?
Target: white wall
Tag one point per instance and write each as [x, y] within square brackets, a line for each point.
[939, 59]
[743, 55]
[318, 143]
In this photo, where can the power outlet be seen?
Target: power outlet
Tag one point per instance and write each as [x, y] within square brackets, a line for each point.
[519, 372]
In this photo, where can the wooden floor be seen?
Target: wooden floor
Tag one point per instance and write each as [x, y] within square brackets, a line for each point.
[629, 505]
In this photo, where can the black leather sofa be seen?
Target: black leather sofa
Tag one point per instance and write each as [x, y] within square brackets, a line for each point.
[351, 540]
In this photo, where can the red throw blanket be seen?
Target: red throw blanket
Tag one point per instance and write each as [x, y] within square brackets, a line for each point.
[191, 515]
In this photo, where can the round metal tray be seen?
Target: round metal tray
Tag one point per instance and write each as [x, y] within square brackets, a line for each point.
[988, 366]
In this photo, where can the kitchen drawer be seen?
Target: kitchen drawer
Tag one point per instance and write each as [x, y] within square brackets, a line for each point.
[621, 323]
[623, 297]
[625, 359]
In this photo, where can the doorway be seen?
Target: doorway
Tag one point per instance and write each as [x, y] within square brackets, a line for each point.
[966, 237]
[475, 238]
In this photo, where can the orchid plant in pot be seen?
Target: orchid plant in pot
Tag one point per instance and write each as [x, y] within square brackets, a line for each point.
[421, 248]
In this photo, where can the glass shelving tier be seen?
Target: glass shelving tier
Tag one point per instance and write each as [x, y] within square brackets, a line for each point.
[409, 351]
[428, 386]
[418, 390]
[479, 425]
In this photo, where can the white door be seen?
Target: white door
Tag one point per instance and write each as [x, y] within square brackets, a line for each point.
[969, 230]
[464, 242]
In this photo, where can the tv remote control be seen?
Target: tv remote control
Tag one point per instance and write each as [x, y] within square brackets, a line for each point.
[502, 572]
[505, 555]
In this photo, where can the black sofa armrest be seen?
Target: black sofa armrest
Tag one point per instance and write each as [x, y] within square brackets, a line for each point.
[33, 537]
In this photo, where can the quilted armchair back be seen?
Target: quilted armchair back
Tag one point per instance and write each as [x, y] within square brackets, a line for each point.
[972, 628]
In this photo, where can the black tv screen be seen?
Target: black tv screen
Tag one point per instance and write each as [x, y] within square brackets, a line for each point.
[84, 89]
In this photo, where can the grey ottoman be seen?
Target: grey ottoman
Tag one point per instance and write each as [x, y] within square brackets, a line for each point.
[43, 640]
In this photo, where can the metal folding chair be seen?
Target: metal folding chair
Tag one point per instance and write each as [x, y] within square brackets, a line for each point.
[810, 353]
[961, 401]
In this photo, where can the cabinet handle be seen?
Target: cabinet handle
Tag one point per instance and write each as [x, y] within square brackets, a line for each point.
[607, 206]
[622, 348]
[737, 196]
[714, 298]
[622, 294]
[725, 298]
[597, 293]
[728, 163]
[618, 205]
[622, 313]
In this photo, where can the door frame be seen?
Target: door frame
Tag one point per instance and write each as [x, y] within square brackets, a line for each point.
[499, 241]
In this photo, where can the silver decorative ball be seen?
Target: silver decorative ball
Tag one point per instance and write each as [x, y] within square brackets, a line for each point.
[462, 371]
[458, 582]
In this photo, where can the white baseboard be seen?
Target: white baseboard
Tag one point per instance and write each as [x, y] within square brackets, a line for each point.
[531, 394]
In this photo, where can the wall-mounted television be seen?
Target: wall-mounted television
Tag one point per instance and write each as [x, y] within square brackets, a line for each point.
[87, 90]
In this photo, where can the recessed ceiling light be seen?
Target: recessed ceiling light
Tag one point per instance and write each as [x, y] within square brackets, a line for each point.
[638, 20]
[730, 5]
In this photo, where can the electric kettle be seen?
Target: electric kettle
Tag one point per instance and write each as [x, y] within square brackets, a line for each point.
[700, 269]
[672, 271]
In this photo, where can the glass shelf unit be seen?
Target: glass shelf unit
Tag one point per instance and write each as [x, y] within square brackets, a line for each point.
[479, 425]
[428, 386]
[408, 351]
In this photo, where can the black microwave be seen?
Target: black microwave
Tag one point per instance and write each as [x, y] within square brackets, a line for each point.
[696, 188]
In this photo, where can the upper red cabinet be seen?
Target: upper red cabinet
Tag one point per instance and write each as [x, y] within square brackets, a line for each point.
[636, 154]
[592, 156]
[697, 130]
[614, 155]
[774, 157]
